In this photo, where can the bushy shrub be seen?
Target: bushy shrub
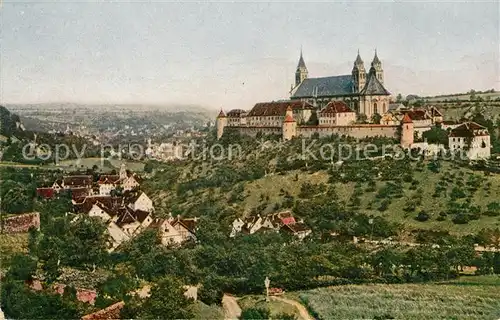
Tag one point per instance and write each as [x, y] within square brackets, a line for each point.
[422, 216]
[461, 218]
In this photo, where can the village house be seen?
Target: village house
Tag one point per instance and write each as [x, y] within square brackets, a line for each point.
[237, 226]
[107, 183]
[277, 222]
[77, 182]
[336, 113]
[272, 114]
[175, 230]
[138, 200]
[471, 138]
[122, 222]
[299, 230]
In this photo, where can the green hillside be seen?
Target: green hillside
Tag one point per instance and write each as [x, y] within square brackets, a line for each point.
[424, 194]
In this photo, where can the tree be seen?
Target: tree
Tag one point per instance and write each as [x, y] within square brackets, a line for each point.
[436, 135]
[285, 316]
[16, 199]
[20, 302]
[82, 243]
[211, 291]
[167, 300]
[22, 267]
[255, 313]
[376, 118]
[399, 98]
[362, 118]
[148, 167]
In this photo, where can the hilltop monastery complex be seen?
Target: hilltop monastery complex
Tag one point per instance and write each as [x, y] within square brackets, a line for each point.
[345, 105]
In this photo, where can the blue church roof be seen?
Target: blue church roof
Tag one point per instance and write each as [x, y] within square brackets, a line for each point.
[326, 86]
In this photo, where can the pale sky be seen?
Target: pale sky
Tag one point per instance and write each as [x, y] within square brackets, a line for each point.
[233, 55]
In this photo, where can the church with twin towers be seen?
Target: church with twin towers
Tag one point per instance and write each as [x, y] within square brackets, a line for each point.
[362, 91]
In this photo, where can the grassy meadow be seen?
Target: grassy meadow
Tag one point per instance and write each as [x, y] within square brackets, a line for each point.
[275, 307]
[10, 244]
[467, 298]
[103, 165]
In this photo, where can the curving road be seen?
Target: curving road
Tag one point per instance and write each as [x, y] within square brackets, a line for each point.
[231, 308]
[304, 314]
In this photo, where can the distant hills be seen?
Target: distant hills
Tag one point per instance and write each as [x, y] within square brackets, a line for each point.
[10, 123]
[106, 107]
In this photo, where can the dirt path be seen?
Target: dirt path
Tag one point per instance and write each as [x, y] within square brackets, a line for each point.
[231, 308]
[304, 314]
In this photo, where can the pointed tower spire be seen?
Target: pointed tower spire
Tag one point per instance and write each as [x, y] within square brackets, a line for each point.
[358, 74]
[376, 60]
[301, 64]
[358, 60]
[301, 72]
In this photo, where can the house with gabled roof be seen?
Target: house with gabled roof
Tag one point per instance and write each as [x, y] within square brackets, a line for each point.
[471, 138]
[277, 222]
[272, 114]
[298, 229]
[107, 183]
[336, 113]
[138, 200]
[77, 181]
[175, 230]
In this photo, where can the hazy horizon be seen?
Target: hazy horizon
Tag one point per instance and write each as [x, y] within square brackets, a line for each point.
[233, 55]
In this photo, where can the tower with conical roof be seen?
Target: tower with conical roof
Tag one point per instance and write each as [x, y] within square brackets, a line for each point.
[221, 123]
[358, 74]
[376, 68]
[289, 128]
[407, 132]
[301, 72]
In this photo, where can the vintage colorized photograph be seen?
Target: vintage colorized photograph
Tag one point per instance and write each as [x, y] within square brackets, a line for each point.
[279, 160]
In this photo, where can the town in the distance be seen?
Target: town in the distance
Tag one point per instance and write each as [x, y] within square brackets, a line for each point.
[337, 198]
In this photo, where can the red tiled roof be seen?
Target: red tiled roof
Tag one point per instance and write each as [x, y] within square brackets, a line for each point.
[131, 196]
[236, 113]
[125, 217]
[418, 115]
[78, 193]
[265, 109]
[111, 312]
[336, 107]
[189, 224]
[289, 118]
[78, 181]
[108, 201]
[288, 220]
[297, 227]
[46, 193]
[141, 215]
[469, 129]
[407, 119]
[108, 179]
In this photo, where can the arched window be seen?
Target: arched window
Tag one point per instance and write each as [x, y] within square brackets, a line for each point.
[375, 108]
[383, 108]
[483, 145]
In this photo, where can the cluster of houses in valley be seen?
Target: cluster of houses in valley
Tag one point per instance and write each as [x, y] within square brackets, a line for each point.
[278, 222]
[119, 202]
